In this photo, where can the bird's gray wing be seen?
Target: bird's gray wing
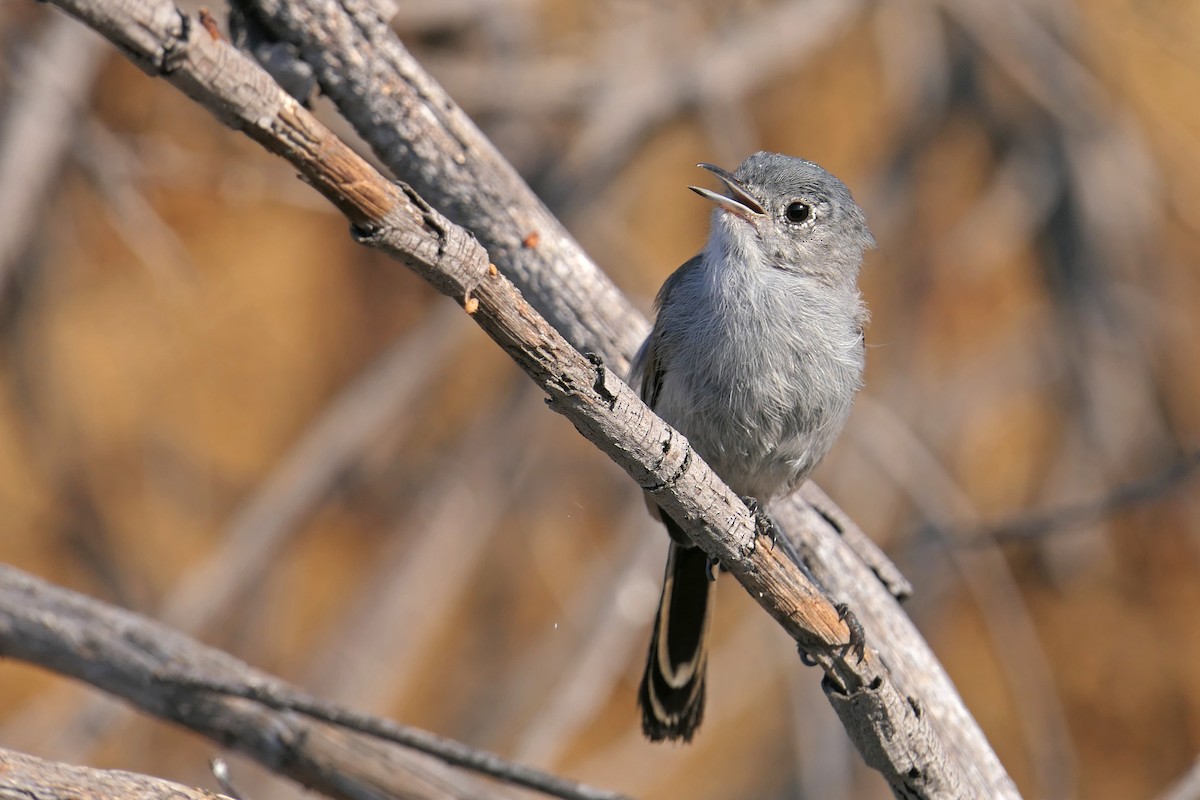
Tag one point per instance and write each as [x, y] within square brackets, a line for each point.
[649, 363]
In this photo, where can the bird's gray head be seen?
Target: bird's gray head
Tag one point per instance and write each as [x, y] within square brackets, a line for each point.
[792, 215]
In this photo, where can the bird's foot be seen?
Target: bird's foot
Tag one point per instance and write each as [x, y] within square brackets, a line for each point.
[858, 637]
[763, 524]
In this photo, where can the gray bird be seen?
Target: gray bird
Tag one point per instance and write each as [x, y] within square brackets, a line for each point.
[756, 355]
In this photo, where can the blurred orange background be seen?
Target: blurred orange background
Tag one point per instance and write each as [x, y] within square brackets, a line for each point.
[217, 410]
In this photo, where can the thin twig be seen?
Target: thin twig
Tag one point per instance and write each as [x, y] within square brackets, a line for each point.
[220, 772]
[279, 698]
[1077, 515]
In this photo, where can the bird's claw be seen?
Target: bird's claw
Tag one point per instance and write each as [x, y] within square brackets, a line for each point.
[763, 524]
[858, 637]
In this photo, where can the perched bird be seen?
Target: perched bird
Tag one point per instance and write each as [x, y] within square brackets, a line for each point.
[755, 355]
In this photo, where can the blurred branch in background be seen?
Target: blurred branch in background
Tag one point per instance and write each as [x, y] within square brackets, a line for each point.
[1186, 788]
[435, 551]
[670, 76]
[1070, 518]
[1030, 172]
[306, 475]
[268, 522]
[37, 129]
[909, 464]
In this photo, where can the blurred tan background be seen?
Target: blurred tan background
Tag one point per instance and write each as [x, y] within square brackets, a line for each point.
[217, 410]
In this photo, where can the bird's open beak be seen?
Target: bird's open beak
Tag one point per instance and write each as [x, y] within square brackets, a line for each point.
[738, 201]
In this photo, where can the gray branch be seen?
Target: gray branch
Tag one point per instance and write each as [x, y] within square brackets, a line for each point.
[156, 668]
[23, 777]
[429, 142]
[397, 107]
[894, 729]
[37, 129]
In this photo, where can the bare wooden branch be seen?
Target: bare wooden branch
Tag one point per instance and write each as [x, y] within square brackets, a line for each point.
[23, 777]
[891, 728]
[138, 659]
[923, 682]
[396, 220]
[428, 141]
[389, 98]
[38, 127]
[279, 697]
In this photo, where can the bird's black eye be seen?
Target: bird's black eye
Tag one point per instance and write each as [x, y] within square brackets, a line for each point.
[798, 212]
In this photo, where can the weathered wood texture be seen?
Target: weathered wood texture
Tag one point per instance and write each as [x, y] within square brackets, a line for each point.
[418, 131]
[422, 135]
[152, 667]
[23, 777]
[916, 752]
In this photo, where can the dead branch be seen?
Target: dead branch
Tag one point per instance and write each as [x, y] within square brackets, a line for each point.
[394, 219]
[427, 140]
[147, 663]
[398, 108]
[23, 776]
[38, 129]
[890, 728]
[281, 698]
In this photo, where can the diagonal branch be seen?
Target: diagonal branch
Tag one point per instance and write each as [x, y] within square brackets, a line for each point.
[416, 129]
[37, 127]
[890, 728]
[394, 219]
[428, 141]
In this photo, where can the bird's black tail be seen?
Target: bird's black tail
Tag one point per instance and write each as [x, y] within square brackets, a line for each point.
[672, 692]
